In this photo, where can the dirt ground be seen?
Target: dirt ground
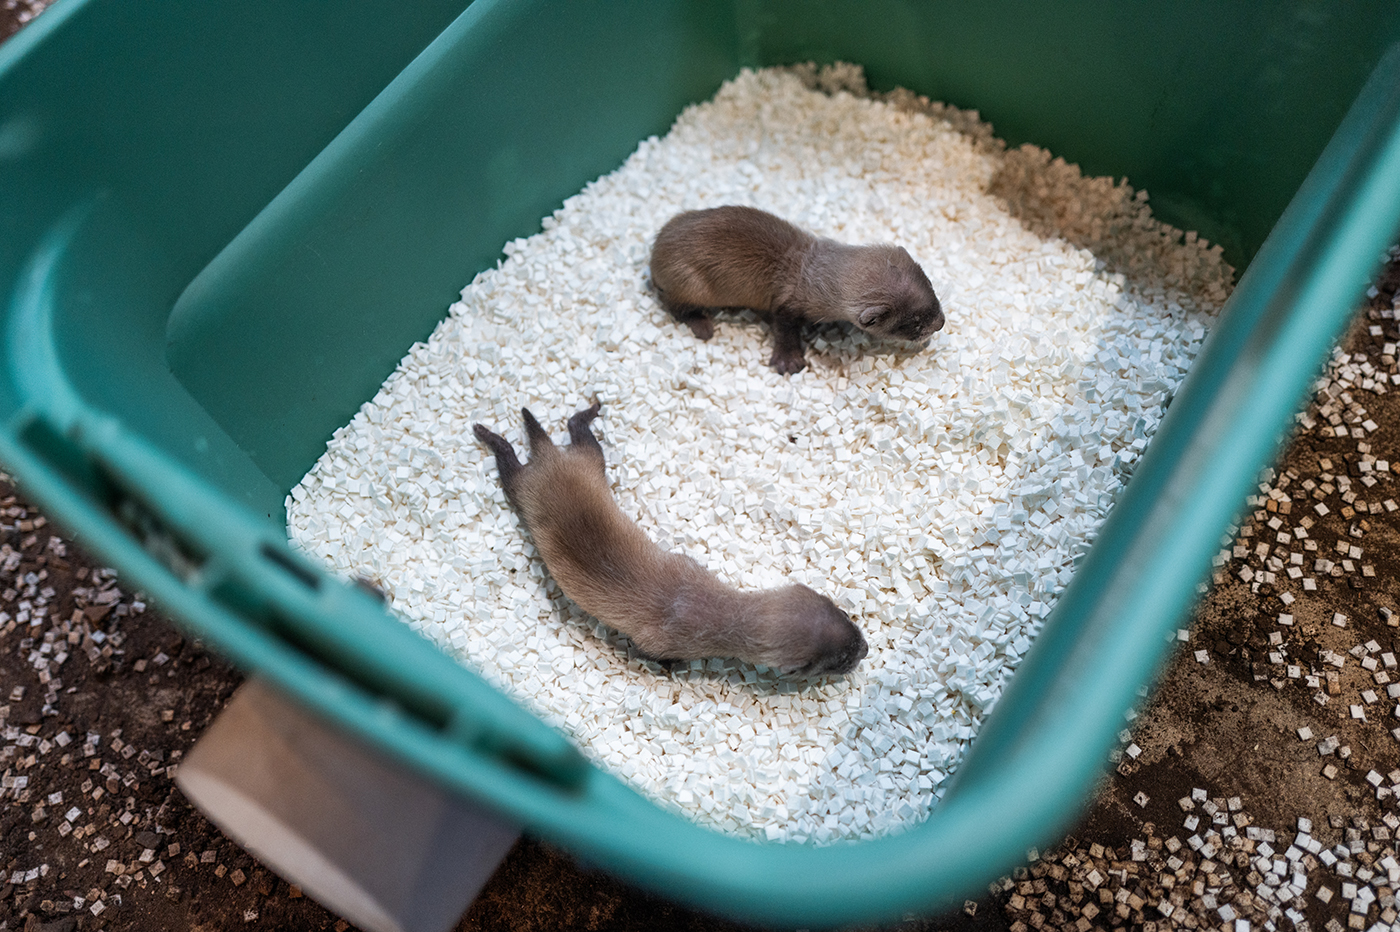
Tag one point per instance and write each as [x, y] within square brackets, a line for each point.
[1257, 786]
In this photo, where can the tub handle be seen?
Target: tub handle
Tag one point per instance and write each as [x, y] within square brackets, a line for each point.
[222, 557]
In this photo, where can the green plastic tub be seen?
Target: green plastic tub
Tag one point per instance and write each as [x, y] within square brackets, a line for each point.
[221, 225]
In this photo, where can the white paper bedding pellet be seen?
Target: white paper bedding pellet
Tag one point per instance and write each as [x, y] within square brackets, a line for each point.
[941, 498]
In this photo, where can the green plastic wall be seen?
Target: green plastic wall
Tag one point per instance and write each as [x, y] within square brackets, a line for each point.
[168, 128]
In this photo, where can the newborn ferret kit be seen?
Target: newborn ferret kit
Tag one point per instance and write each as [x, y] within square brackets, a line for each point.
[939, 496]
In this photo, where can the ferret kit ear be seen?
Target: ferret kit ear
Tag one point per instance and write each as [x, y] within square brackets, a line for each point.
[873, 314]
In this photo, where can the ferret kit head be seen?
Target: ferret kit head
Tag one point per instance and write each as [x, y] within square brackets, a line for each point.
[893, 298]
[819, 638]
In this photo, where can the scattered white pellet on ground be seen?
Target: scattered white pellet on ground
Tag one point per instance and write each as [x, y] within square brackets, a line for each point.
[940, 497]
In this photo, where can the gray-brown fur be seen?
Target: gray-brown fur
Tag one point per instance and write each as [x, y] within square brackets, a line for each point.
[736, 257]
[670, 606]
